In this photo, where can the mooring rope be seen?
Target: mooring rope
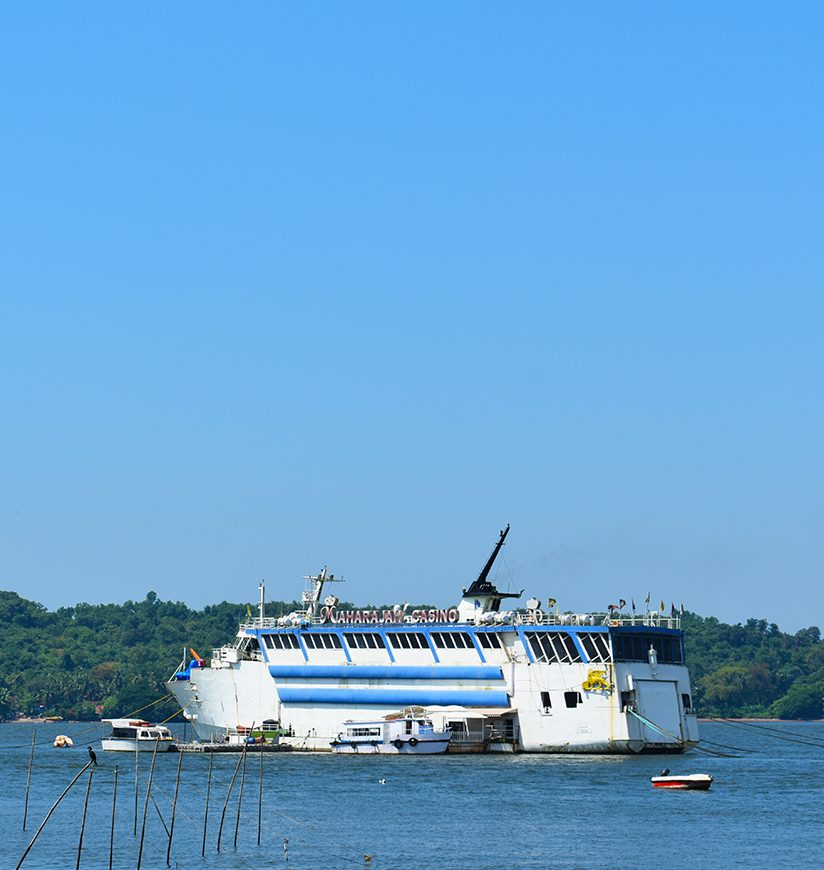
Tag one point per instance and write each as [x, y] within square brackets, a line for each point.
[768, 731]
[683, 743]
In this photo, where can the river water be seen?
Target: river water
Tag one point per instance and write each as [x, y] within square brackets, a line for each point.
[483, 812]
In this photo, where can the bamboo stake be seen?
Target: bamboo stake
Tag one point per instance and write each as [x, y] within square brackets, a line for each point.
[160, 816]
[83, 823]
[146, 805]
[260, 795]
[28, 779]
[48, 814]
[174, 810]
[114, 806]
[136, 784]
[226, 802]
[206, 811]
[240, 795]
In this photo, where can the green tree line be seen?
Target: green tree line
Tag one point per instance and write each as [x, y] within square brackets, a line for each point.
[94, 660]
[754, 669]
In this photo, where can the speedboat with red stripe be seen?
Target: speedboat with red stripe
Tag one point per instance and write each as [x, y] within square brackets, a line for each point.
[691, 781]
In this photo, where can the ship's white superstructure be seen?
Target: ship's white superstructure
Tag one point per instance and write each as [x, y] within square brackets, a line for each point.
[537, 680]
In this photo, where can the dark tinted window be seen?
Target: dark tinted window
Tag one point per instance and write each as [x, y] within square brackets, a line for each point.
[553, 646]
[407, 639]
[489, 639]
[596, 646]
[281, 641]
[635, 647]
[452, 640]
[364, 640]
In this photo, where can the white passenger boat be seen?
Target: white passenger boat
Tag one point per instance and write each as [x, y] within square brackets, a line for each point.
[528, 680]
[135, 735]
[409, 734]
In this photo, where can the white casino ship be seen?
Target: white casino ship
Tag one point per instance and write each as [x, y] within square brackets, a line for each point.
[535, 680]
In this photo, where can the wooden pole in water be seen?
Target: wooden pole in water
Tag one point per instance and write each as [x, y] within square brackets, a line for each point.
[114, 806]
[206, 811]
[28, 779]
[146, 805]
[174, 810]
[240, 795]
[48, 814]
[260, 795]
[226, 803]
[136, 783]
[83, 823]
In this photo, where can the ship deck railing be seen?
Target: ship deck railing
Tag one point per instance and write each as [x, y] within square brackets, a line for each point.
[653, 619]
[459, 737]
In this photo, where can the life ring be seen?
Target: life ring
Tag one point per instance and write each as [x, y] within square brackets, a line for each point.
[413, 741]
[397, 743]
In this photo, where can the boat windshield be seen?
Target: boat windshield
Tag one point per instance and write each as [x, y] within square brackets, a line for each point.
[124, 733]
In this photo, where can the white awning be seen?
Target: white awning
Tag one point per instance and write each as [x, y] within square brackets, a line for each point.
[470, 712]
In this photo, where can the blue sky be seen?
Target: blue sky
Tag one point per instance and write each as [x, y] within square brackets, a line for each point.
[361, 283]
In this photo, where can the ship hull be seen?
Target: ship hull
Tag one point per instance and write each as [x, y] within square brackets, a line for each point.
[512, 706]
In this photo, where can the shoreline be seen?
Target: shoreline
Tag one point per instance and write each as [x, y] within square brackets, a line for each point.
[752, 719]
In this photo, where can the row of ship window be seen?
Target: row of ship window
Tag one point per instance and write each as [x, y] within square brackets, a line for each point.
[545, 646]
[373, 640]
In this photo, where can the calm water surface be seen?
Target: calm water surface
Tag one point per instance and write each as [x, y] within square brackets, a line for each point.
[481, 812]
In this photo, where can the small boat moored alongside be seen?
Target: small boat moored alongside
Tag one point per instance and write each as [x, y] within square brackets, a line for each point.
[135, 735]
[406, 734]
[692, 781]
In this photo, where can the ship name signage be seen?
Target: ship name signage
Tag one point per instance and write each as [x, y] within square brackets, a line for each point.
[353, 617]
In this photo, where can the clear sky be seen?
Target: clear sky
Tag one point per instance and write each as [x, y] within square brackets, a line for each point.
[360, 283]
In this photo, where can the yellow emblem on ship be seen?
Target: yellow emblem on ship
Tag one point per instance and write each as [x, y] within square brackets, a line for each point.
[596, 681]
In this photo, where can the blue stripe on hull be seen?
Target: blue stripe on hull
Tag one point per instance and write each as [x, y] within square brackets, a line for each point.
[422, 697]
[387, 672]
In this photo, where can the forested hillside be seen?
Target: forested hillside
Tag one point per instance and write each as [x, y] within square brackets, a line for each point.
[754, 669]
[76, 661]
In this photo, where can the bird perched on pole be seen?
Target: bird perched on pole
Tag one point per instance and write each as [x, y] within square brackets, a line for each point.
[93, 756]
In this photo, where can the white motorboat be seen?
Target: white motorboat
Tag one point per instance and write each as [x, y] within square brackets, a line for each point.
[407, 734]
[136, 735]
[691, 781]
